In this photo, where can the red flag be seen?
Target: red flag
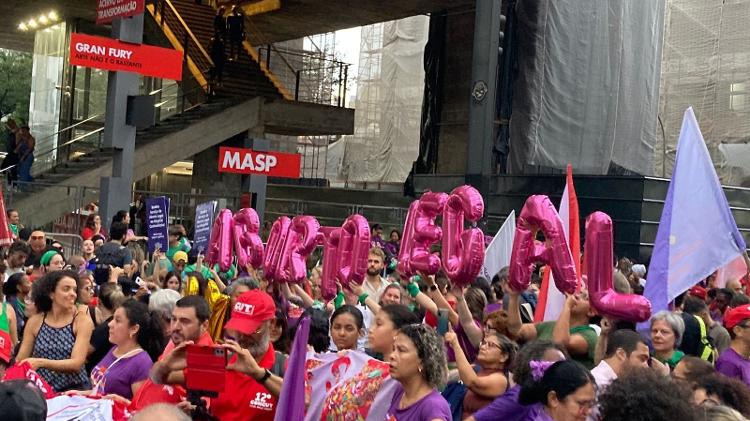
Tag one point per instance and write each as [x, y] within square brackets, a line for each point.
[550, 299]
[6, 238]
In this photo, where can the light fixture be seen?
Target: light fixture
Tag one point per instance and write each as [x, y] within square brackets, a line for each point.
[44, 20]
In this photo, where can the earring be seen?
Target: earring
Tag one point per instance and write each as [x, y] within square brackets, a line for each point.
[420, 369]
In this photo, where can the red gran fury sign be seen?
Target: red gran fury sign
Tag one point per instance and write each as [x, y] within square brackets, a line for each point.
[248, 161]
[109, 10]
[111, 54]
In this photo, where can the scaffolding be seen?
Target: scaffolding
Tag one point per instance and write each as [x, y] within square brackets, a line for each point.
[390, 85]
[706, 65]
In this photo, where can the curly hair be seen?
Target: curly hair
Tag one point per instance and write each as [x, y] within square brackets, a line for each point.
[732, 392]
[46, 286]
[643, 395]
[532, 351]
[430, 350]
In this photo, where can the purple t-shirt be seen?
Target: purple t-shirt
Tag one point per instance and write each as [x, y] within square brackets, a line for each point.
[469, 349]
[732, 364]
[506, 407]
[431, 407]
[118, 378]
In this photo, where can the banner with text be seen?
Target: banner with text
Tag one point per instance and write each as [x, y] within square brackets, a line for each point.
[110, 54]
[157, 220]
[248, 161]
[204, 221]
[109, 10]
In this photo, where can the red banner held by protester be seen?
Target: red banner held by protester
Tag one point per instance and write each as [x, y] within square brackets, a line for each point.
[248, 161]
[109, 54]
[109, 10]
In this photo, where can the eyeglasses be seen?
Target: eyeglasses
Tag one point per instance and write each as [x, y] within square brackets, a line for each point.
[584, 405]
[490, 344]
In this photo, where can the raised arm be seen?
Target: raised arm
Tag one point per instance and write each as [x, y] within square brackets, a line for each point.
[489, 386]
[473, 332]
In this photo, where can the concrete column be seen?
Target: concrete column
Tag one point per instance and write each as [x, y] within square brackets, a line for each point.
[482, 103]
[115, 191]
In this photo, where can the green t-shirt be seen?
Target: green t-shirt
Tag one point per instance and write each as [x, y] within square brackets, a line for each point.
[204, 271]
[13, 230]
[544, 332]
[673, 360]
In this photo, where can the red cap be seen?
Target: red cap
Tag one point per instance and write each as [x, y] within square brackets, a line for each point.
[736, 315]
[6, 347]
[251, 310]
[698, 291]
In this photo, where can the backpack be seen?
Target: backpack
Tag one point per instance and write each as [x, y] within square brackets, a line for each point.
[102, 262]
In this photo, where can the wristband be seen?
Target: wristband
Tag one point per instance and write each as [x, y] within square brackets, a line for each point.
[339, 300]
[413, 289]
[362, 298]
[265, 377]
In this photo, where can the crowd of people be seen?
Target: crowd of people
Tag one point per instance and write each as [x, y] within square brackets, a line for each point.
[116, 322]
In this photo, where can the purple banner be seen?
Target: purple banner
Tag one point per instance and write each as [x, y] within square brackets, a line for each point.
[157, 220]
[204, 221]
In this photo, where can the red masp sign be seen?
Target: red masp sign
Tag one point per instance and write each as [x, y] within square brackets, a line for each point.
[248, 161]
[109, 54]
[109, 10]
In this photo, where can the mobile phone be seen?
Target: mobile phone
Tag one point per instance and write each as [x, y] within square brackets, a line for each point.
[442, 323]
[206, 369]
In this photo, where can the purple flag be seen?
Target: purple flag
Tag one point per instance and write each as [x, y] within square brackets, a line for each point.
[292, 399]
[697, 233]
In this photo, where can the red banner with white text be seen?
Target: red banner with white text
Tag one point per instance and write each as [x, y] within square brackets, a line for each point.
[110, 54]
[248, 161]
[109, 10]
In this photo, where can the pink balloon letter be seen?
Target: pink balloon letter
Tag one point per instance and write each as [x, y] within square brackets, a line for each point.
[275, 248]
[220, 245]
[300, 242]
[352, 251]
[463, 250]
[420, 233]
[538, 214]
[331, 242]
[247, 243]
[599, 270]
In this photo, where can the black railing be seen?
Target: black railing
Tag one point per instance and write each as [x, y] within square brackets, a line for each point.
[314, 77]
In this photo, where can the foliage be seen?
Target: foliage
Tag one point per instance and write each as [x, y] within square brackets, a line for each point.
[15, 83]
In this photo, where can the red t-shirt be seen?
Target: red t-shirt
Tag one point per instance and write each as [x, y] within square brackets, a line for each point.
[150, 393]
[246, 399]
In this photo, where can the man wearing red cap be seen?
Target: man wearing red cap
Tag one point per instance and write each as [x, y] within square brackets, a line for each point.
[735, 361]
[250, 396]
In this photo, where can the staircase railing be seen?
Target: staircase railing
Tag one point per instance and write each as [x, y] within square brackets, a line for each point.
[319, 80]
[316, 79]
[169, 103]
[183, 39]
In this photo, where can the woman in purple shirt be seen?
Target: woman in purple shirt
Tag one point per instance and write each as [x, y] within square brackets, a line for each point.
[138, 340]
[418, 364]
[506, 407]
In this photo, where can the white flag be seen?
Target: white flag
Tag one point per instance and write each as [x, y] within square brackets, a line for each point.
[497, 254]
